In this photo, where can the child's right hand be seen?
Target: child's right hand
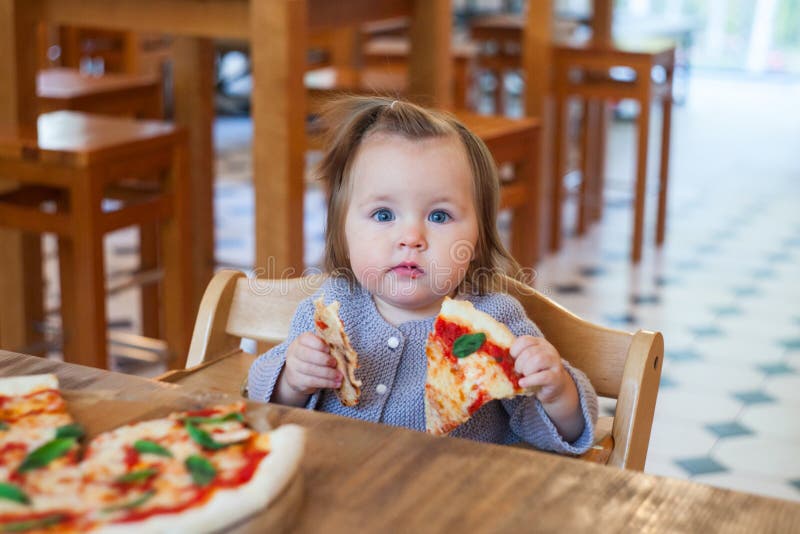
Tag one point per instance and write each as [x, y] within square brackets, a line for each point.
[309, 367]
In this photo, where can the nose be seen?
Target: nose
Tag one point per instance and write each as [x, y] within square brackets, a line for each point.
[413, 237]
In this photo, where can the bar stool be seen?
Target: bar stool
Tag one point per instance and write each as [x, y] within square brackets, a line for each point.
[63, 172]
[584, 72]
[123, 95]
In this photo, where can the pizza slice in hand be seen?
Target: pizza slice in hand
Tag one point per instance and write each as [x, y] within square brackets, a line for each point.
[468, 365]
[331, 329]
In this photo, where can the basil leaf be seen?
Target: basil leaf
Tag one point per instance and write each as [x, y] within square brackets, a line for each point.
[203, 438]
[467, 344]
[138, 501]
[233, 416]
[145, 446]
[13, 493]
[46, 453]
[201, 469]
[3, 426]
[139, 475]
[34, 524]
[72, 430]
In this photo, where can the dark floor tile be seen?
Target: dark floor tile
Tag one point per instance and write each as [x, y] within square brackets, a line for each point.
[591, 271]
[795, 483]
[728, 429]
[568, 289]
[746, 291]
[753, 397]
[764, 274]
[727, 311]
[702, 465]
[779, 257]
[664, 281]
[790, 344]
[707, 249]
[683, 355]
[623, 319]
[240, 210]
[792, 242]
[707, 331]
[125, 250]
[229, 243]
[667, 382]
[645, 299]
[778, 368]
[688, 265]
[120, 323]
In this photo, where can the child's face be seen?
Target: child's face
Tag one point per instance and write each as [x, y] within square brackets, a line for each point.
[411, 226]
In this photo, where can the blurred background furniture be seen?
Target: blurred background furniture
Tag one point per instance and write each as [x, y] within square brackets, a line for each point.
[60, 178]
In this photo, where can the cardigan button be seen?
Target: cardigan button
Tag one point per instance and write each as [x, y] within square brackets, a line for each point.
[393, 342]
[381, 389]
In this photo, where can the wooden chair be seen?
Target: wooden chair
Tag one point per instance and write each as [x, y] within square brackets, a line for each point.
[61, 175]
[621, 365]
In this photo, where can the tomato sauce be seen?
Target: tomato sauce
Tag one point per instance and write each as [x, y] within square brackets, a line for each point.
[448, 332]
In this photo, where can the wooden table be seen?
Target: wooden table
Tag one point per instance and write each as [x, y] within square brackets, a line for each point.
[366, 477]
[277, 31]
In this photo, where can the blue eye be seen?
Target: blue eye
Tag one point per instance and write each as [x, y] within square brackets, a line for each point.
[383, 215]
[439, 217]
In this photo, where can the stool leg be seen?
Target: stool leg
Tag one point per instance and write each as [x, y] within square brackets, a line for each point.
[175, 233]
[20, 290]
[666, 121]
[557, 181]
[148, 260]
[83, 279]
[600, 160]
[498, 93]
[641, 180]
[587, 165]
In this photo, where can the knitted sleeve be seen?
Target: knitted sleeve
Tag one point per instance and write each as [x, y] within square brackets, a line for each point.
[266, 368]
[528, 420]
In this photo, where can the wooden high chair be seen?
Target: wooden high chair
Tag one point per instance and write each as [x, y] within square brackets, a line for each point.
[621, 365]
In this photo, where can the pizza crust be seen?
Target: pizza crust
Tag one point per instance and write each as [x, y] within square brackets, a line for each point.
[228, 506]
[22, 385]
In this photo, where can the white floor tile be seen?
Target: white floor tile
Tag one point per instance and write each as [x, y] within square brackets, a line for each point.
[675, 439]
[760, 485]
[774, 420]
[697, 407]
[760, 455]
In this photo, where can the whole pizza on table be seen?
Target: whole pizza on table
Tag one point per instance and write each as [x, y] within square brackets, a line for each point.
[193, 471]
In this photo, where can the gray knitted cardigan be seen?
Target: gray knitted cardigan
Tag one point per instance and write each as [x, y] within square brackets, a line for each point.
[393, 366]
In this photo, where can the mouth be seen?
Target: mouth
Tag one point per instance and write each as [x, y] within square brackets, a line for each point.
[408, 269]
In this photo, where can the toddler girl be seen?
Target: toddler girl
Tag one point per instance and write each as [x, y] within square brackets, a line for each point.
[411, 219]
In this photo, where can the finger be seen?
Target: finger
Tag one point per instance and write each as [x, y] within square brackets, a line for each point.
[315, 357]
[317, 371]
[313, 383]
[531, 362]
[539, 379]
[521, 344]
[311, 341]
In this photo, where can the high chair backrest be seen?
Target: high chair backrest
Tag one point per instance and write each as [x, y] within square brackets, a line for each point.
[621, 365]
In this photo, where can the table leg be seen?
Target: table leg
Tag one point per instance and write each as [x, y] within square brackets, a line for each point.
[194, 109]
[430, 64]
[557, 183]
[20, 254]
[278, 45]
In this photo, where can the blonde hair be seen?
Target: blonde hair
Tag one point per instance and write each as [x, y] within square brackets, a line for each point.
[353, 119]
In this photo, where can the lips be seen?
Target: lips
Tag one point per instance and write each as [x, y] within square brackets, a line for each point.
[409, 269]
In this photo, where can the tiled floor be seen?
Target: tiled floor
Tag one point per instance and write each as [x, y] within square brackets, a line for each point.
[724, 290]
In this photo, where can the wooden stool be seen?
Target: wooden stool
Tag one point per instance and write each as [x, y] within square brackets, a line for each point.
[129, 95]
[63, 172]
[511, 141]
[583, 72]
[124, 95]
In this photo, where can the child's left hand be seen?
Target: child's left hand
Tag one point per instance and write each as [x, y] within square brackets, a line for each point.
[539, 363]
